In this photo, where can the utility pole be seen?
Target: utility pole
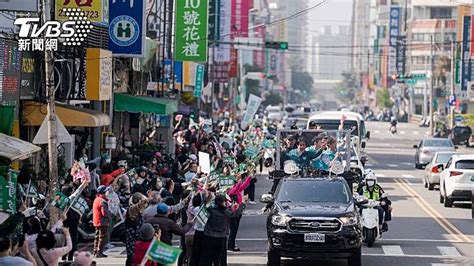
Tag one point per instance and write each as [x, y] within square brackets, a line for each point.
[51, 116]
[432, 127]
[368, 77]
[453, 82]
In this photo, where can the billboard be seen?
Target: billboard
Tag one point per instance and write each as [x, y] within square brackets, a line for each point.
[222, 51]
[466, 53]
[127, 28]
[95, 10]
[394, 28]
[240, 18]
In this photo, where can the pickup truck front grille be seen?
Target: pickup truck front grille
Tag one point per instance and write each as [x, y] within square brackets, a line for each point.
[315, 224]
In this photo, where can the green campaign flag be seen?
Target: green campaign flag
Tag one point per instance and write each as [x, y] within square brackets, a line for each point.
[162, 253]
[229, 160]
[8, 188]
[61, 201]
[79, 205]
[203, 214]
[251, 152]
[268, 144]
[191, 30]
[226, 181]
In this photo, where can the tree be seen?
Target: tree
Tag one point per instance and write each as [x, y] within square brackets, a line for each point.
[347, 88]
[302, 81]
[442, 67]
[273, 99]
[383, 98]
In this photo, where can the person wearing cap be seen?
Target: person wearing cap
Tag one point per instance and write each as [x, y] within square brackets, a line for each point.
[167, 225]
[147, 233]
[100, 218]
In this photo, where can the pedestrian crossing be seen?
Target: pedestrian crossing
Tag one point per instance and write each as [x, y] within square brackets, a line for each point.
[385, 249]
[403, 132]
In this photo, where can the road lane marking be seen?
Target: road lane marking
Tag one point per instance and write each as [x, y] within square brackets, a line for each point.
[410, 177]
[443, 222]
[449, 251]
[415, 133]
[380, 175]
[392, 250]
[409, 164]
[377, 131]
[402, 132]
[392, 165]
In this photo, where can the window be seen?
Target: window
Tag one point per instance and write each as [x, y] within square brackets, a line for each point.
[448, 164]
[443, 157]
[314, 191]
[465, 164]
[440, 13]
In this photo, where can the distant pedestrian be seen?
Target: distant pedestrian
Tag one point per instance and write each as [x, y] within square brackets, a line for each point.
[46, 254]
[101, 220]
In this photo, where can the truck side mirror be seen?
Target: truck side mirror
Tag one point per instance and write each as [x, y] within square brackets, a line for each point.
[367, 135]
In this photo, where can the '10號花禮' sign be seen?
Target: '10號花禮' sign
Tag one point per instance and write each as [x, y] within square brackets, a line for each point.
[191, 30]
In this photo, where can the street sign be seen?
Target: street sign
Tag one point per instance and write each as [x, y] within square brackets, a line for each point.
[199, 80]
[452, 100]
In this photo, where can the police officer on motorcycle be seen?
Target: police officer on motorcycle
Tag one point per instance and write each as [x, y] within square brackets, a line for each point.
[373, 191]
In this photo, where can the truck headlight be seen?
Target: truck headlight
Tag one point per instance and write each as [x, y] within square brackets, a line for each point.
[349, 220]
[280, 220]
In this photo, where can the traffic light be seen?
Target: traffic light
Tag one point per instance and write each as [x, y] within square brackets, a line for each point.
[276, 45]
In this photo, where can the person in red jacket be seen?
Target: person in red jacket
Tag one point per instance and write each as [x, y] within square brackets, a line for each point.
[235, 193]
[147, 233]
[108, 174]
[100, 219]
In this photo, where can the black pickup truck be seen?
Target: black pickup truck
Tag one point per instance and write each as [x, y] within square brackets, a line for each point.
[313, 218]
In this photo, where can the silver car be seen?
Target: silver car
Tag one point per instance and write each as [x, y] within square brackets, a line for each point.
[432, 171]
[427, 149]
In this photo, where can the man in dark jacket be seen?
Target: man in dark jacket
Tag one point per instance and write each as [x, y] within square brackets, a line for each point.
[100, 218]
[215, 234]
[167, 225]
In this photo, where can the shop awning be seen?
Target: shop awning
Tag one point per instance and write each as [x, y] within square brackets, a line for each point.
[71, 116]
[14, 149]
[143, 104]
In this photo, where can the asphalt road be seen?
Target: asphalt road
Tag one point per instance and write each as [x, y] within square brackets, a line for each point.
[422, 231]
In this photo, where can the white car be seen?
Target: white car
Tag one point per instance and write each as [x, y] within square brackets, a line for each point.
[457, 180]
[432, 171]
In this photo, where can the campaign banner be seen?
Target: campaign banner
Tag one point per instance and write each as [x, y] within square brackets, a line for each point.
[240, 18]
[252, 107]
[222, 51]
[204, 162]
[8, 188]
[394, 28]
[401, 48]
[127, 28]
[191, 30]
[466, 53]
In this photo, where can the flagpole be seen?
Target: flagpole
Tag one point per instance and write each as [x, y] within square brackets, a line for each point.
[145, 258]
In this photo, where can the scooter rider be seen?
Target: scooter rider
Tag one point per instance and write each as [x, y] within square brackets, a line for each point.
[373, 191]
[393, 123]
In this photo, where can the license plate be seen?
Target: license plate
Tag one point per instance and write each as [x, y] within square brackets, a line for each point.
[315, 238]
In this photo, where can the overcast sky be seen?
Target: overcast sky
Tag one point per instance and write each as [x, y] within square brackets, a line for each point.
[333, 12]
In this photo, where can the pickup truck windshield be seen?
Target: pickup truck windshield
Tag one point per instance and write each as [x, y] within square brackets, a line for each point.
[313, 191]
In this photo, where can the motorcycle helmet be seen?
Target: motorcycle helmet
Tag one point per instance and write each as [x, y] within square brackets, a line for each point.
[371, 179]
